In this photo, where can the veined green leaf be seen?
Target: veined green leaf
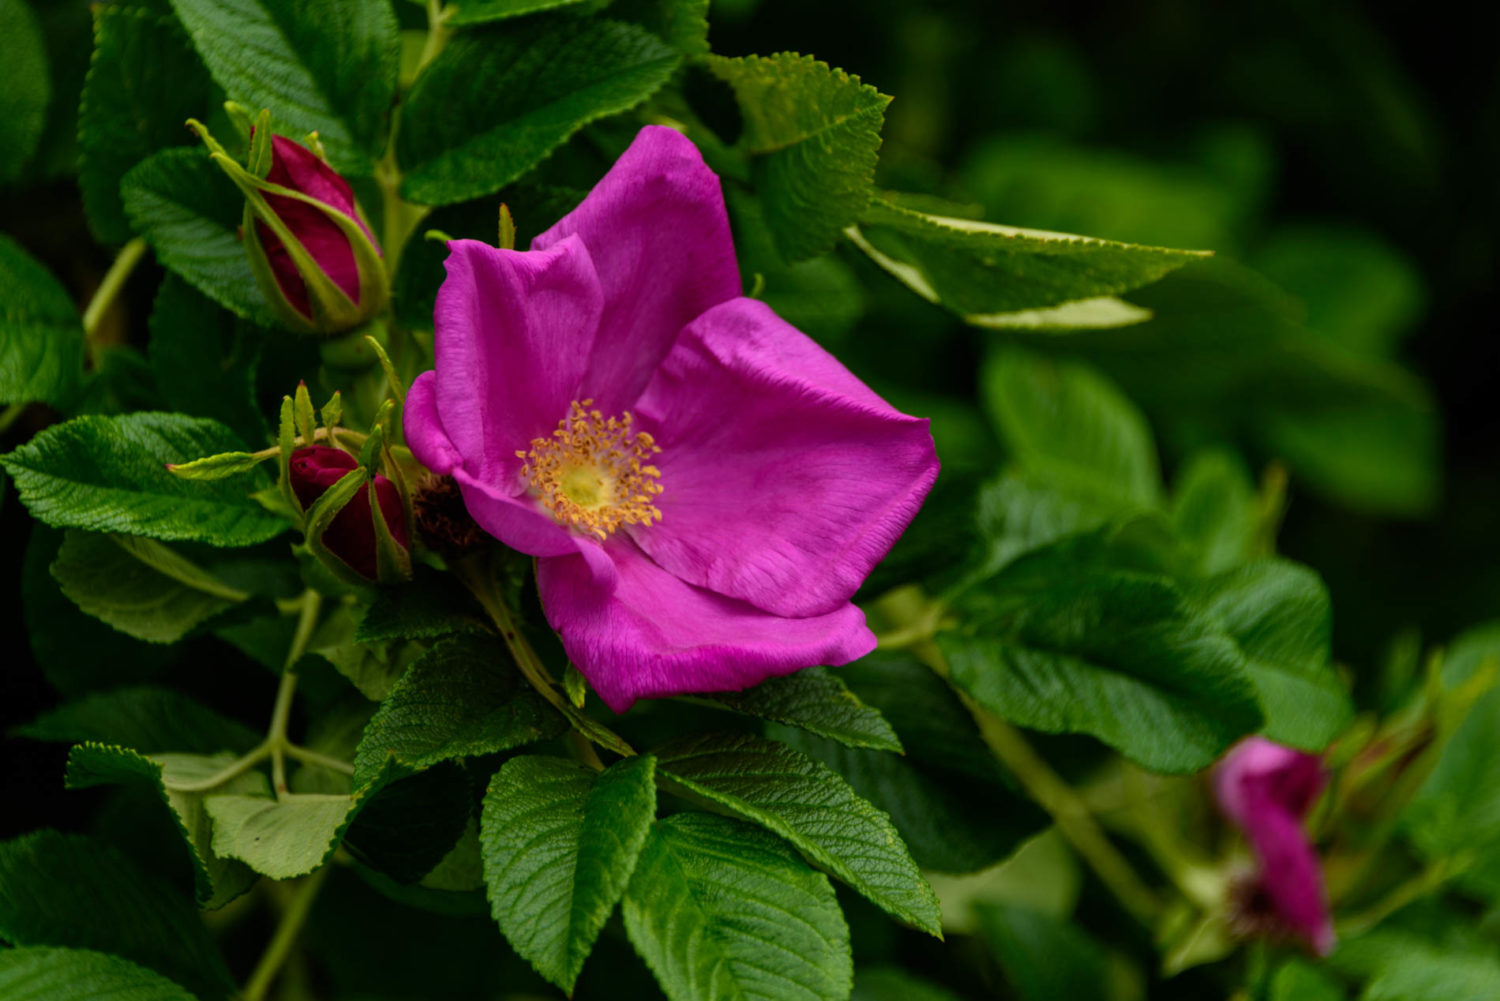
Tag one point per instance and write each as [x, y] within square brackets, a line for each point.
[140, 586]
[813, 808]
[1215, 511]
[281, 838]
[1065, 422]
[146, 717]
[204, 360]
[977, 268]
[559, 843]
[68, 890]
[190, 213]
[1279, 614]
[324, 66]
[461, 699]
[946, 795]
[144, 81]
[814, 133]
[430, 606]
[216, 880]
[1061, 643]
[720, 910]
[818, 701]
[108, 474]
[44, 974]
[522, 92]
[28, 90]
[41, 338]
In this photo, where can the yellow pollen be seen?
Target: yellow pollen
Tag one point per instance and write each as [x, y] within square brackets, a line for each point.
[592, 474]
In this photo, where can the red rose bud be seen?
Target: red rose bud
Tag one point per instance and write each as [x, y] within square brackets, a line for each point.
[313, 255]
[351, 534]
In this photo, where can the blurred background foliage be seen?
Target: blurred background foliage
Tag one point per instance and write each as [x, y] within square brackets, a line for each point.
[1340, 160]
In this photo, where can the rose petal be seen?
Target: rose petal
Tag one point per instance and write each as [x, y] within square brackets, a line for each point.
[650, 635]
[657, 232]
[513, 332]
[513, 520]
[423, 427]
[784, 479]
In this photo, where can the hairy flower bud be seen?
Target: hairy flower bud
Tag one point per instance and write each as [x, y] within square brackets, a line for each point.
[310, 248]
[351, 534]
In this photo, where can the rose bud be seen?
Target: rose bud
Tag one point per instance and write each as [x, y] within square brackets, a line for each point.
[310, 248]
[1267, 790]
[351, 534]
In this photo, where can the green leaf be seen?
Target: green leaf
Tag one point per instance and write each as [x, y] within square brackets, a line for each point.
[519, 93]
[1020, 512]
[1215, 511]
[891, 983]
[40, 974]
[324, 66]
[204, 360]
[1104, 312]
[1068, 424]
[559, 844]
[108, 474]
[812, 807]
[682, 24]
[68, 890]
[461, 699]
[814, 135]
[23, 101]
[1301, 981]
[718, 909]
[146, 717]
[977, 269]
[1044, 957]
[79, 655]
[190, 213]
[427, 607]
[282, 838]
[946, 795]
[41, 338]
[1060, 643]
[140, 586]
[483, 11]
[216, 880]
[143, 83]
[1279, 613]
[818, 701]
[409, 825]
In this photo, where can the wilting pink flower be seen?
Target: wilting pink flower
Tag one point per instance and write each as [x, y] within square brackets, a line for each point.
[705, 487]
[1267, 789]
[351, 534]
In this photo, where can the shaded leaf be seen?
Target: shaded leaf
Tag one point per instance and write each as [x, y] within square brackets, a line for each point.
[559, 843]
[204, 360]
[145, 717]
[41, 338]
[720, 910]
[42, 974]
[818, 701]
[522, 92]
[108, 474]
[812, 807]
[28, 90]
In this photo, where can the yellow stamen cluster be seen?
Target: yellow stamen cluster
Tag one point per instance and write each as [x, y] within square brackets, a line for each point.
[592, 473]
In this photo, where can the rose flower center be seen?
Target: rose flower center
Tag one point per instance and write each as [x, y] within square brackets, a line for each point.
[592, 474]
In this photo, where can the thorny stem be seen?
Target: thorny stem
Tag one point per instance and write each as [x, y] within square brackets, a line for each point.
[280, 947]
[114, 281]
[476, 576]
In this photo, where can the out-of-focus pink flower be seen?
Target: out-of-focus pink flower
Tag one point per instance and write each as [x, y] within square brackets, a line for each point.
[705, 487]
[1266, 790]
[351, 534]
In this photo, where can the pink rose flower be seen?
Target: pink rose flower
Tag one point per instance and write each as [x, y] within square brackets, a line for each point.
[705, 487]
[351, 534]
[1266, 790]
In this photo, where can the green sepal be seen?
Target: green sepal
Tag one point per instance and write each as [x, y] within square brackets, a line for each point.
[398, 388]
[321, 515]
[302, 414]
[392, 560]
[261, 152]
[333, 413]
[216, 467]
[507, 235]
[286, 441]
[575, 685]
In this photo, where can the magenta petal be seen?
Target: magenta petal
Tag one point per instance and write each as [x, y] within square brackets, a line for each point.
[652, 635]
[514, 520]
[784, 479]
[424, 428]
[1267, 789]
[513, 332]
[657, 232]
